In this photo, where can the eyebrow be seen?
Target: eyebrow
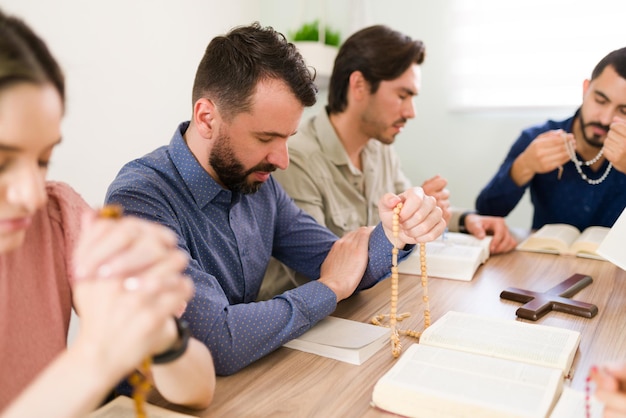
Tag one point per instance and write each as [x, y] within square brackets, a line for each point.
[604, 96]
[409, 91]
[275, 134]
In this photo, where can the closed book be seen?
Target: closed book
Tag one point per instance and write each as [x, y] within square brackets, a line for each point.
[342, 339]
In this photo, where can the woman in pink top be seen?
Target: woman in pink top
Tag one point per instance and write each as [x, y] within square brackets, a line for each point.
[123, 277]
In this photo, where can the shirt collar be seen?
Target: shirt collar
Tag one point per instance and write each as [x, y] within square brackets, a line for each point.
[332, 146]
[202, 186]
[329, 141]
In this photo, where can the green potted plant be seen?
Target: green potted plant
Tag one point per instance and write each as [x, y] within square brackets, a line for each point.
[311, 32]
[318, 51]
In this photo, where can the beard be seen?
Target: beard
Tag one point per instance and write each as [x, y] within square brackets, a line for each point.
[231, 171]
[593, 140]
[376, 128]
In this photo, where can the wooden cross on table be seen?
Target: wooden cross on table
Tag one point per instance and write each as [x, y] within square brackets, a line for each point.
[538, 304]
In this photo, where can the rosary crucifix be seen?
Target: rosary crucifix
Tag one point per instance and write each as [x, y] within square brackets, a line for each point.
[396, 346]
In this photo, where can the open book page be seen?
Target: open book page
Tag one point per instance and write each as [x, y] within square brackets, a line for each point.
[551, 238]
[124, 407]
[571, 404]
[612, 247]
[589, 241]
[457, 256]
[509, 339]
[342, 339]
[434, 382]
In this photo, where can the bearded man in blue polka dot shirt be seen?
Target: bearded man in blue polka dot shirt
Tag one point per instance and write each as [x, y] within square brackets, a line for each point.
[212, 186]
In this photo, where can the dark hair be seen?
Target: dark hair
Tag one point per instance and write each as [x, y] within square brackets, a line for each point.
[24, 57]
[379, 53]
[233, 64]
[616, 59]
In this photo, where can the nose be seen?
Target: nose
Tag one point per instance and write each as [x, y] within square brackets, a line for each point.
[608, 116]
[279, 156]
[28, 188]
[409, 109]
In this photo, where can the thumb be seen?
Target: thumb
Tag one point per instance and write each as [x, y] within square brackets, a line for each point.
[479, 232]
[390, 200]
[475, 228]
[87, 218]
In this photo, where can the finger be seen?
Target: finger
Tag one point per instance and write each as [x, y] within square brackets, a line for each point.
[174, 294]
[146, 257]
[618, 124]
[390, 201]
[416, 208]
[123, 246]
[502, 243]
[434, 185]
[446, 212]
[614, 403]
[91, 233]
[508, 244]
[604, 380]
[163, 297]
[617, 370]
[354, 239]
[475, 226]
[430, 228]
[97, 246]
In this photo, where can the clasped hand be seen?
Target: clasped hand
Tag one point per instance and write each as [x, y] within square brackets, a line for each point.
[436, 187]
[129, 284]
[421, 220]
[548, 151]
[615, 144]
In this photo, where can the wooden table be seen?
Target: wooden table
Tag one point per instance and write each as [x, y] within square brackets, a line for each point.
[289, 383]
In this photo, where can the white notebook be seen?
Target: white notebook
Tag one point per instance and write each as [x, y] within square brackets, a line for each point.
[342, 339]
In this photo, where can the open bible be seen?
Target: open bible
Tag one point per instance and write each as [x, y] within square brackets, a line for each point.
[473, 366]
[452, 256]
[566, 240]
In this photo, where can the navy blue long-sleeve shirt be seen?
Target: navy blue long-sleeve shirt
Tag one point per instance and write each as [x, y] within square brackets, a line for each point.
[570, 200]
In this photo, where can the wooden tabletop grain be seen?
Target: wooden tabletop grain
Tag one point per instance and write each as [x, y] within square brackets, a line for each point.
[289, 383]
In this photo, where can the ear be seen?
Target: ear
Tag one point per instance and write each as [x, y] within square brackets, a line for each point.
[586, 84]
[358, 85]
[205, 117]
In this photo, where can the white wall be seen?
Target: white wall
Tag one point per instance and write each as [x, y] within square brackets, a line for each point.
[130, 68]
[464, 147]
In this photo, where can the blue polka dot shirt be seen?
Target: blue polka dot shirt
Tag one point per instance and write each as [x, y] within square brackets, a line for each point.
[230, 238]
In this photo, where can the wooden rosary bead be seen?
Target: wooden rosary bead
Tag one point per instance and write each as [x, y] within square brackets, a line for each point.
[139, 379]
[396, 346]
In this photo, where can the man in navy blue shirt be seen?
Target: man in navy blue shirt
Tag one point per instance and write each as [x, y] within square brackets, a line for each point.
[573, 168]
[212, 186]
